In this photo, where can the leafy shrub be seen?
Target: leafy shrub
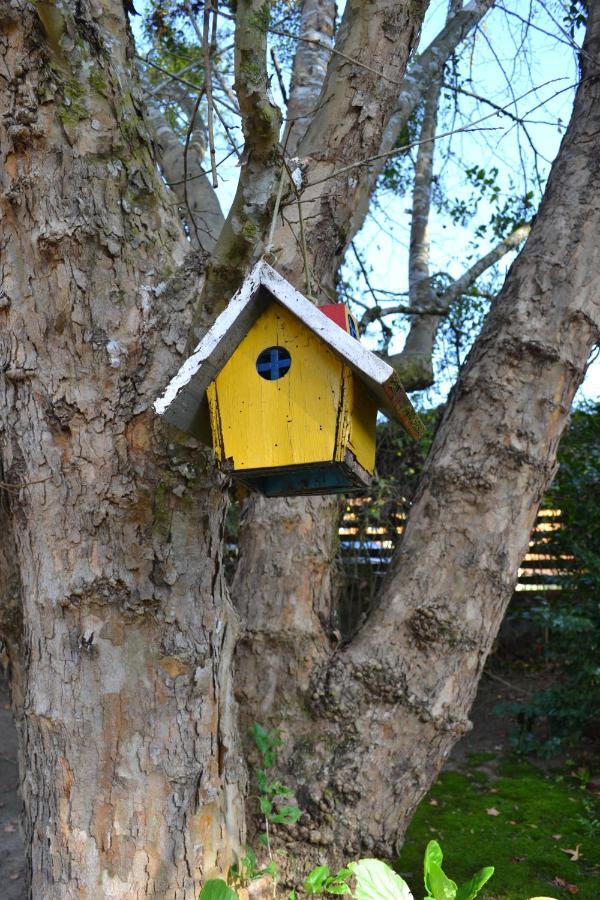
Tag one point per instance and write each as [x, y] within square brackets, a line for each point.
[373, 880]
[571, 618]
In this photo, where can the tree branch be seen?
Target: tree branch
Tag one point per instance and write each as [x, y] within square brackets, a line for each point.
[243, 233]
[357, 98]
[426, 67]
[419, 285]
[202, 203]
[414, 364]
[317, 20]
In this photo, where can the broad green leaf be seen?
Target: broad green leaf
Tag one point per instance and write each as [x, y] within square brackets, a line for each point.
[376, 881]
[316, 879]
[292, 895]
[217, 889]
[471, 888]
[439, 885]
[263, 840]
[433, 854]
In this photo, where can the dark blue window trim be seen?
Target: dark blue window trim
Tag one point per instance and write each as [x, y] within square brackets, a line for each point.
[273, 363]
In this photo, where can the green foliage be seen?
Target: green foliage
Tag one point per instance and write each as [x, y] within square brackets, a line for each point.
[248, 868]
[321, 881]
[377, 881]
[373, 880]
[217, 889]
[440, 887]
[570, 619]
[272, 792]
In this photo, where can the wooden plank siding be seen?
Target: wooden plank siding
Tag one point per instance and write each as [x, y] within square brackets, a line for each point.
[366, 542]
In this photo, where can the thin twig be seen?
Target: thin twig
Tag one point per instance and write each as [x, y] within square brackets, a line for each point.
[173, 77]
[227, 129]
[208, 8]
[279, 74]
[465, 128]
[185, 166]
[307, 274]
[202, 172]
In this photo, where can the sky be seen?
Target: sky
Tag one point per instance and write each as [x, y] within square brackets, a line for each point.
[531, 71]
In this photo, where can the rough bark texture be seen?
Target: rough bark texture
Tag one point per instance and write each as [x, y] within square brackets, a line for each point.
[373, 44]
[317, 21]
[396, 699]
[287, 631]
[351, 112]
[130, 773]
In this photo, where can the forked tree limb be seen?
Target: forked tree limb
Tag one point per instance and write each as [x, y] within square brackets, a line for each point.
[396, 699]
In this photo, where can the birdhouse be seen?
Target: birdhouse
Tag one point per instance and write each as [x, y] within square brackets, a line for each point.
[287, 393]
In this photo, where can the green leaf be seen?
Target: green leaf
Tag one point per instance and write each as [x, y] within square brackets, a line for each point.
[271, 869]
[472, 887]
[433, 856]
[439, 885]
[263, 840]
[217, 889]
[337, 887]
[316, 879]
[261, 780]
[287, 815]
[376, 881]
[266, 806]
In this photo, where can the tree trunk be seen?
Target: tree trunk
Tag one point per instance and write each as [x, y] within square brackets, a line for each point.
[395, 700]
[130, 773]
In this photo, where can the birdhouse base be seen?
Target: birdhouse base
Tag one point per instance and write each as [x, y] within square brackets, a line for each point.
[313, 478]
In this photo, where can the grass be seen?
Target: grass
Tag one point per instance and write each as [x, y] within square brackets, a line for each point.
[538, 814]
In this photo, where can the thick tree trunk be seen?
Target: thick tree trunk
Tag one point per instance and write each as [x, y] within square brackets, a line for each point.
[130, 773]
[395, 700]
[349, 117]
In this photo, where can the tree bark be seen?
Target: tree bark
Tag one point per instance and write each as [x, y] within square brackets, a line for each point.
[373, 44]
[130, 772]
[317, 21]
[396, 699]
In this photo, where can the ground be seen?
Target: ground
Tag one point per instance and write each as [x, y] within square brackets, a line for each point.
[487, 808]
[491, 807]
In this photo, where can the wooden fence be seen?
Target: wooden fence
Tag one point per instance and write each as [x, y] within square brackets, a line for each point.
[368, 537]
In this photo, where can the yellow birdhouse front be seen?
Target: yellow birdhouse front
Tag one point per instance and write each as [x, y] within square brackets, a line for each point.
[292, 394]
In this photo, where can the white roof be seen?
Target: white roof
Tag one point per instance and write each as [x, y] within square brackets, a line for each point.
[184, 397]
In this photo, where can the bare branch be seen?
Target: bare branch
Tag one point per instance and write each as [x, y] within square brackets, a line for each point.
[357, 98]
[208, 90]
[414, 364]
[426, 67]
[317, 20]
[419, 285]
[243, 234]
[203, 209]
